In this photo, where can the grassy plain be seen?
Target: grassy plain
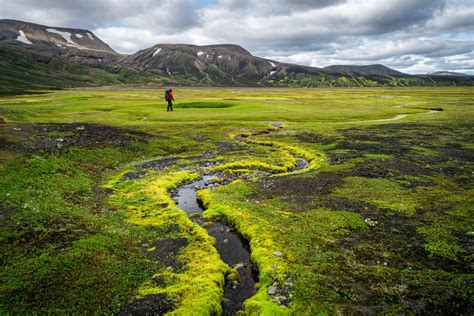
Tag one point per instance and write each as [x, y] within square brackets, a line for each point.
[382, 222]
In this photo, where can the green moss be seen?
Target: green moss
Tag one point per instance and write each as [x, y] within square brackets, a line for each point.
[329, 255]
[198, 288]
[261, 304]
[383, 193]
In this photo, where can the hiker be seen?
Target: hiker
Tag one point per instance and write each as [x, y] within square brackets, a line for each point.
[169, 97]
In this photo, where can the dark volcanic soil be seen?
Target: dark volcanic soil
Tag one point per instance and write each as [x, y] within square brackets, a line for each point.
[33, 138]
[154, 304]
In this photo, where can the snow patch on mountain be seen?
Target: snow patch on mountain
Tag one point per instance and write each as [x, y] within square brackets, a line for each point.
[90, 36]
[22, 38]
[200, 53]
[272, 72]
[65, 35]
[157, 51]
[79, 35]
[272, 64]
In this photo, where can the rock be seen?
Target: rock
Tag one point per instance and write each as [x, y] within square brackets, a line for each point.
[278, 253]
[276, 124]
[225, 241]
[239, 265]
[80, 128]
[272, 290]
[280, 299]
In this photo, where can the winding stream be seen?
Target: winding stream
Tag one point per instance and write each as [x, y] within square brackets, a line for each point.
[233, 249]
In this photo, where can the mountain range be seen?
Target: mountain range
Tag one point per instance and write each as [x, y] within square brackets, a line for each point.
[35, 57]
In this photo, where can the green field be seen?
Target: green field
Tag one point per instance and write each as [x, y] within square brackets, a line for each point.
[380, 222]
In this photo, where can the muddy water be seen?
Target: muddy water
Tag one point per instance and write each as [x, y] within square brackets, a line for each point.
[232, 247]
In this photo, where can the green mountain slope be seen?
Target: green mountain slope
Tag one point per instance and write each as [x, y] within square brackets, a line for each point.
[22, 71]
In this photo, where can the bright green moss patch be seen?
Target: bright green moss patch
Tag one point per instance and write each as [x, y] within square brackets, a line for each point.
[77, 258]
[380, 192]
[198, 287]
[271, 228]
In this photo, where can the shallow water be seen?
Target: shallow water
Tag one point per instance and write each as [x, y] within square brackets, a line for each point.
[232, 247]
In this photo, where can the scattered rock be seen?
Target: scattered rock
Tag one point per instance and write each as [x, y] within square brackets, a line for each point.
[272, 290]
[278, 253]
[239, 265]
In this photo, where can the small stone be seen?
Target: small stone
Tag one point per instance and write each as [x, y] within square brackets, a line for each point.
[17, 129]
[59, 139]
[272, 290]
[225, 241]
[278, 253]
[80, 128]
[280, 298]
[239, 265]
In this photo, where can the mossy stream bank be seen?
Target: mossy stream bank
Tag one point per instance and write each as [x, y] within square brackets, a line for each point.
[242, 281]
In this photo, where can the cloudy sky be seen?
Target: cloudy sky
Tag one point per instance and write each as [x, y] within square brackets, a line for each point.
[414, 36]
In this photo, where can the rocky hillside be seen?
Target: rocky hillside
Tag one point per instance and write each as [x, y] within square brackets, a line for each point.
[213, 64]
[75, 46]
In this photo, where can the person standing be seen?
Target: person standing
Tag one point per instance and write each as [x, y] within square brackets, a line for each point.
[169, 97]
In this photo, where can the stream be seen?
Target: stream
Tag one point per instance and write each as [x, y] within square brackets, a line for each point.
[233, 249]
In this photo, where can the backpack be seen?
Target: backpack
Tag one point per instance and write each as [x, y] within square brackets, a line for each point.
[167, 95]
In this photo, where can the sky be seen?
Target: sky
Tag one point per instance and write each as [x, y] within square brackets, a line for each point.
[413, 36]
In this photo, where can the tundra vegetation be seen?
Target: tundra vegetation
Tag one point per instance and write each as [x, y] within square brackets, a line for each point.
[380, 221]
